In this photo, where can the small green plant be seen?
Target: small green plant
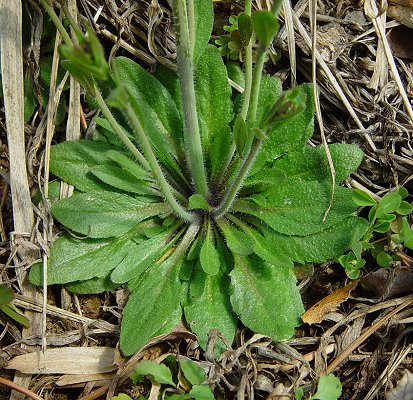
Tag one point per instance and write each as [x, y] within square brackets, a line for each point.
[189, 382]
[6, 297]
[200, 200]
[328, 388]
[387, 217]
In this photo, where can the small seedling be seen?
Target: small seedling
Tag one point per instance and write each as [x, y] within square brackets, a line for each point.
[387, 217]
[188, 383]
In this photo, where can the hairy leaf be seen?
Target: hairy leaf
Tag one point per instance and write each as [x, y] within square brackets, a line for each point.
[155, 109]
[121, 179]
[212, 93]
[209, 308]
[310, 164]
[298, 209]
[209, 257]
[72, 161]
[260, 307]
[289, 134]
[93, 285]
[73, 259]
[103, 214]
[321, 246]
[143, 255]
[204, 19]
[237, 241]
[154, 298]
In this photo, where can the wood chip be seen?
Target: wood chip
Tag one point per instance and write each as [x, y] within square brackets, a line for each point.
[317, 312]
[67, 360]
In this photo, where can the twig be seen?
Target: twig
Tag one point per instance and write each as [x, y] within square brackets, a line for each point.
[12, 385]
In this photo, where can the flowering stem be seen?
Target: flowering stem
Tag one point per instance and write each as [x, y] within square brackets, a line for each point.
[185, 70]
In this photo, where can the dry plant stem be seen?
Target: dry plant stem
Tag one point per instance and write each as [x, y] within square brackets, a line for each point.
[313, 21]
[367, 333]
[333, 81]
[12, 385]
[12, 73]
[95, 394]
[186, 79]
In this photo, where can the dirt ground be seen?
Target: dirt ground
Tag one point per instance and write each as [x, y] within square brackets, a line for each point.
[364, 332]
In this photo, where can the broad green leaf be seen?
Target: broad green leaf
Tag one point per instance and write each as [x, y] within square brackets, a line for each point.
[402, 192]
[389, 203]
[209, 257]
[155, 297]
[6, 295]
[298, 209]
[219, 151]
[245, 28]
[362, 198]
[204, 20]
[160, 373]
[384, 259]
[265, 26]
[235, 73]
[328, 388]
[310, 164]
[141, 257]
[270, 312]
[193, 372]
[237, 241]
[287, 135]
[72, 162]
[321, 246]
[170, 80]
[121, 179]
[102, 214]
[210, 308]
[201, 392]
[212, 93]
[405, 208]
[73, 259]
[155, 108]
[93, 285]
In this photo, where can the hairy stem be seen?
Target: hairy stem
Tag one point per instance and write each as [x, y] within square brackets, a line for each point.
[192, 133]
[237, 183]
[246, 98]
[155, 167]
[256, 82]
[119, 131]
[53, 16]
[248, 69]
